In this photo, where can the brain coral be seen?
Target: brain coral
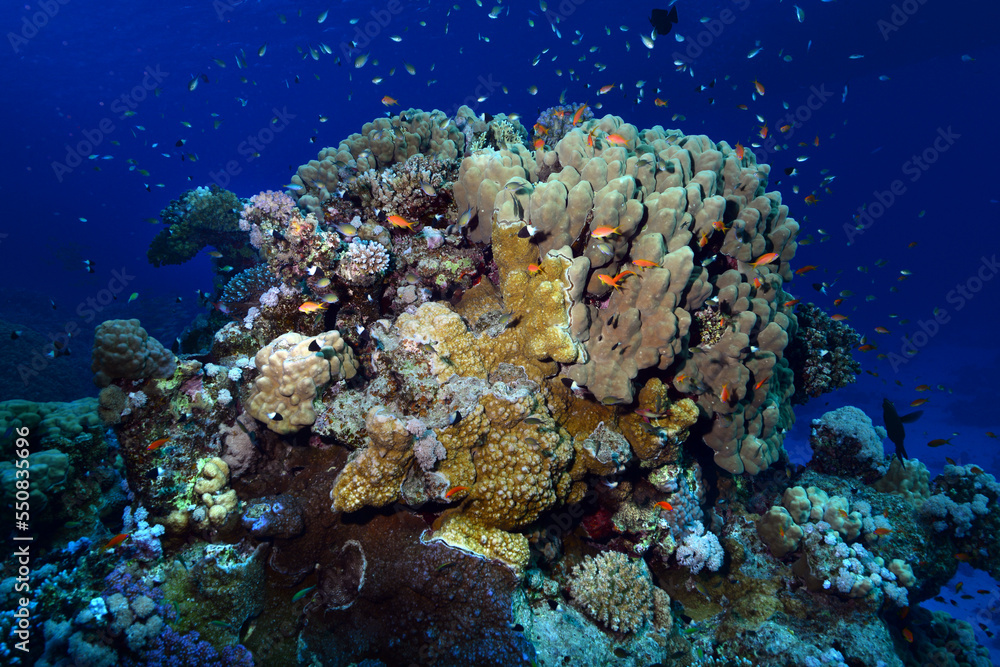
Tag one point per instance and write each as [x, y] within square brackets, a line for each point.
[291, 367]
[123, 349]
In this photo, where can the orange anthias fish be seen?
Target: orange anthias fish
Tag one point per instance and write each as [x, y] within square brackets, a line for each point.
[539, 144]
[725, 396]
[868, 347]
[663, 504]
[789, 304]
[761, 383]
[923, 387]
[602, 232]
[115, 541]
[389, 101]
[455, 489]
[881, 330]
[616, 140]
[765, 259]
[703, 241]
[811, 200]
[645, 263]
[156, 444]
[917, 403]
[613, 282]
[882, 531]
[908, 635]
[740, 151]
[534, 268]
[660, 103]
[312, 307]
[578, 116]
[838, 317]
[763, 132]
[605, 89]
[398, 221]
[759, 86]
[805, 269]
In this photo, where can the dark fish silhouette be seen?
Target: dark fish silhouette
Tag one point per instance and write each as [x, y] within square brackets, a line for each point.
[663, 20]
[894, 425]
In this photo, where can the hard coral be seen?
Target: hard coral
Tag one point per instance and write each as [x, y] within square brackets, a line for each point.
[820, 354]
[291, 368]
[123, 349]
[199, 218]
[615, 590]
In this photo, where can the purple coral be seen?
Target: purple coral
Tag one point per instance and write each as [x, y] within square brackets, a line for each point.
[172, 649]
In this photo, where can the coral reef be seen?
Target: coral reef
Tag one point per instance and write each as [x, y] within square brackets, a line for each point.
[462, 400]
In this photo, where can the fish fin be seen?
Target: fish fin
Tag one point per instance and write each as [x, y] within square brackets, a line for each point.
[912, 417]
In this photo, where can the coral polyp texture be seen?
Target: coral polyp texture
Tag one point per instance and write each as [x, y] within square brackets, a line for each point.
[123, 350]
[470, 395]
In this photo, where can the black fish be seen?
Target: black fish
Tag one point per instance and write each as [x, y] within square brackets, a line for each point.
[663, 20]
[894, 425]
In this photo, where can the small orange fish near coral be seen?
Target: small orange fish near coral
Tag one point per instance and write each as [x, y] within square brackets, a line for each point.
[605, 89]
[908, 635]
[616, 140]
[789, 304]
[115, 541]
[882, 531]
[578, 116]
[759, 86]
[761, 383]
[663, 504]
[881, 330]
[917, 403]
[962, 556]
[838, 317]
[923, 387]
[602, 232]
[156, 444]
[533, 269]
[539, 144]
[645, 263]
[398, 221]
[867, 348]
[660, 103]
[811, 199]
[805, 269]
[703, 241]
[455, 489]
[765, 259]
[725, 395]
[312, 307]
[389, 101]
[613, 282]
[739, 151]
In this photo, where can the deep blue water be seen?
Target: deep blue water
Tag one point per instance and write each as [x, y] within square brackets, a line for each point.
[924, 90]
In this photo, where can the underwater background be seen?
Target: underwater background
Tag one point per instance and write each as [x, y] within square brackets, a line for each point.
[187, 498]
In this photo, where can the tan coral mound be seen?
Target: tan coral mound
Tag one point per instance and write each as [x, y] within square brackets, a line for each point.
[291, 367]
